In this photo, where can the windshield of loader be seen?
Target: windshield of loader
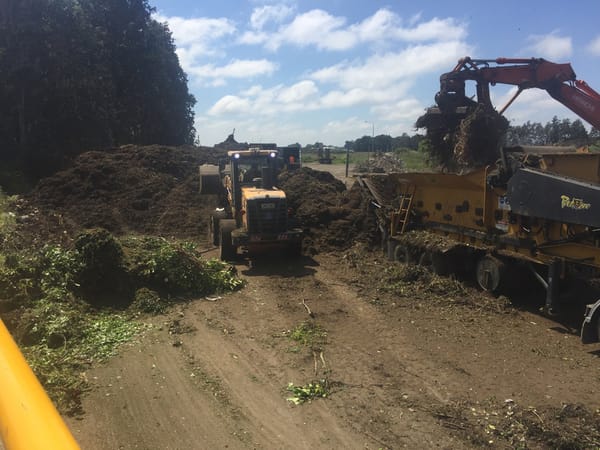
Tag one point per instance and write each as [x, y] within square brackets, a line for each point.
[250, 165]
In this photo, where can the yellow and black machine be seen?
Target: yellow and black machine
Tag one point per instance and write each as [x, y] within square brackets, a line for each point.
[538, 213]
[255, 215]
[511, 210]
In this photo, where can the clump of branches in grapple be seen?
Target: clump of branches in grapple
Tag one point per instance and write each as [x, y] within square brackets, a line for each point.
[462, 140]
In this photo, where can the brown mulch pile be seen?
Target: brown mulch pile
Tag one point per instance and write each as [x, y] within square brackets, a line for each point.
[130, 189]
[153, 190]
[380, 163]
[333, 217]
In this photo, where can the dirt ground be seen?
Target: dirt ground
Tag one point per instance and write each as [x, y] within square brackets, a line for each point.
[403, 373]
[408, 359]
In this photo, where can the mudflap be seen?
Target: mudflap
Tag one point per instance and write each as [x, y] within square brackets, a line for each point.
[590, 329]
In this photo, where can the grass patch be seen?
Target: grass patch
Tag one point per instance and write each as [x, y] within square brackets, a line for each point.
[413, 159]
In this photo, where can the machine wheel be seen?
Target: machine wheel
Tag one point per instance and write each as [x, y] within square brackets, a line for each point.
[294, 249]
[213, 226]
[213, 235]
[401, 254]
[227, 251]
[489, 273]
[434, 262]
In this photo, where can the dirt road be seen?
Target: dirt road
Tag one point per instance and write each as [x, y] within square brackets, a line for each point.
[337, 170]
[403, 372]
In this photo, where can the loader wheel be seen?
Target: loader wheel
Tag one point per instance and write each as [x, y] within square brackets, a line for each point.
[213, 235]
[294, 250]
[213, 226]
[227, 251]
[489, 273]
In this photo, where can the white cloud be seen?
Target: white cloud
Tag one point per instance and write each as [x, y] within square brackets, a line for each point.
[533, 105]
[316, 27]
[298, 92]
[550, 46]
[197, 32]
[435, 29]
[196, 39]
[380, 85]
[377, 26]
[381, 70]
[325, 31]
[230, 104]
[239, 68]
[269, 13]
[199, 38]
[403, 110]
[594, 46]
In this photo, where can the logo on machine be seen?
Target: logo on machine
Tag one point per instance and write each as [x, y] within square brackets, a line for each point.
[573, 203]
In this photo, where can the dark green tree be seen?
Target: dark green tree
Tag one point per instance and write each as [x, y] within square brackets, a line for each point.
[86, 74]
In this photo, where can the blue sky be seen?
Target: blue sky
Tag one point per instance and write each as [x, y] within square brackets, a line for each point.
[330, 71]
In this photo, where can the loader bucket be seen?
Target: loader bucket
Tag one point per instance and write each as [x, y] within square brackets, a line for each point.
[210, 179]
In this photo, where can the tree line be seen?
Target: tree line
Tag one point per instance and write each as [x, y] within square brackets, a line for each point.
[86, 74]
[555, 132]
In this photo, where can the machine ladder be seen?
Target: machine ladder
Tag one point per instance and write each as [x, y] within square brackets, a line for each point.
[401, 217]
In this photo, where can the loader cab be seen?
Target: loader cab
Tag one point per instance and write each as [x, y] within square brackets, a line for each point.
[254, 167]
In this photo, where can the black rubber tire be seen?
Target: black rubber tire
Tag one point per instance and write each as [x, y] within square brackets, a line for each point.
[213, 225]
[435, 262]
[489, 273]
[401, 254]
[294, 249]
[214, 232]
[227, 251]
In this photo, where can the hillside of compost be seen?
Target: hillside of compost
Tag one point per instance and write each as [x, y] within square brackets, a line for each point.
[130, 189]
[153, 190]
[332, 216]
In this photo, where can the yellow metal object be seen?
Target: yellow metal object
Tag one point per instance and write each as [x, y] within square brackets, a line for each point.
[28, 419]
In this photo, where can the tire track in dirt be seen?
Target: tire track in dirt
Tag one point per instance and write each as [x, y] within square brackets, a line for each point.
[215, 375]
[223, 382]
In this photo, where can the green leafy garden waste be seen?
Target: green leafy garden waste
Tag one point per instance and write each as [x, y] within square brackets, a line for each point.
[308, 392]
[70, 307]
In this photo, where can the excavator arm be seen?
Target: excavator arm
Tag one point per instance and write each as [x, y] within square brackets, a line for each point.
[559, 80]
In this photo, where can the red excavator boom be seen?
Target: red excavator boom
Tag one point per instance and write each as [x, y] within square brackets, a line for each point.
[559, 80]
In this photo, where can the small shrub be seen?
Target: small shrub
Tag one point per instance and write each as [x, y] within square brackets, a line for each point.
[102, 276]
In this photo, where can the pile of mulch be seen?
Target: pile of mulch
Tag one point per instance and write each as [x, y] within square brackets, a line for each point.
[332, 216]
[380, 163]
[461, 141]
[131, 189]
[153, 190]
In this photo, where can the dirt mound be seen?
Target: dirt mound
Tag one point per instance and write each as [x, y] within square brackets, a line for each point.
[130, 189]
[332, 216]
